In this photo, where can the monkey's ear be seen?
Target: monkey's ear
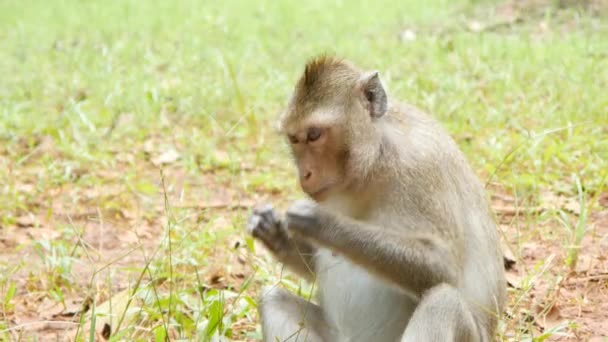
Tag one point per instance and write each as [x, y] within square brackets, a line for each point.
[374, 94]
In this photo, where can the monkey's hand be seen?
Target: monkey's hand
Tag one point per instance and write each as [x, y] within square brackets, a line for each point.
[265, 225]
[303, 218]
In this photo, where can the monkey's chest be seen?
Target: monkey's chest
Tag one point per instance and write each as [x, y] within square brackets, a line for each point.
[358, 305]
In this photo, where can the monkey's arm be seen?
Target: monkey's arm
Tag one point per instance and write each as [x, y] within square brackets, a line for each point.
[415, 263]
[296, 253]
[299, 257]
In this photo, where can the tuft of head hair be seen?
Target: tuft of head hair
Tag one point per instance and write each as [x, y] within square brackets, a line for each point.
[326, 81]
[319, 66]
[324, 78]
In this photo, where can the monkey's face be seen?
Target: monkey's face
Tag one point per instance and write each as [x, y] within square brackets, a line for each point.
[319, 158]
[328, 123]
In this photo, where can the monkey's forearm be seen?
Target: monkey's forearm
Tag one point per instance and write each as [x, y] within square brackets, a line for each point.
[298, 256]
[415, 263]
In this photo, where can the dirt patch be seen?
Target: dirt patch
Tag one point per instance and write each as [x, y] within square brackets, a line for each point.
[74, 243]
[547, 291]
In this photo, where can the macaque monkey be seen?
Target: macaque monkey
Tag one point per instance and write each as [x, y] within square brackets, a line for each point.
[398, 235]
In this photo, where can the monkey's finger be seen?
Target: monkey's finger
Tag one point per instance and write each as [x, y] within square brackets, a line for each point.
[259, 228]
[266, 237]
[252, 223]
[302, 218]
[295, 223]
[266, 227]
[270, 216]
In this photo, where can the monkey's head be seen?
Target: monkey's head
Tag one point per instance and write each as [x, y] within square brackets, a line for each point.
[331, 125]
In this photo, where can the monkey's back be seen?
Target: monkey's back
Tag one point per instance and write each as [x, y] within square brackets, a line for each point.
[483, 280]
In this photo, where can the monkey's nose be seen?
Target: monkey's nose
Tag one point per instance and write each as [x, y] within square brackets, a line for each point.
[306, 181]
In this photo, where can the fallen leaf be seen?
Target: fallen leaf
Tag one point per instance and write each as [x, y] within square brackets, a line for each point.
[25, 221]
[75, 307]
[167, 157]
[216, 279]
[41, 233]
[238, 275]
[107, 315]
[513, 280]
[149, 146]
[25, 188]
[508, 257]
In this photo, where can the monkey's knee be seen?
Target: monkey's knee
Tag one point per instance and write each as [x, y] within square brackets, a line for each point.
[443, 315]
[269, 297]
[443, 298]
[287, 317]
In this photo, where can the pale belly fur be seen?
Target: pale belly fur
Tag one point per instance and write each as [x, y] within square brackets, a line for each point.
[358, 305]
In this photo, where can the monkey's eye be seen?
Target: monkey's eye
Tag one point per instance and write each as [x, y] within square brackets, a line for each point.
[292, 139]
[313, 134]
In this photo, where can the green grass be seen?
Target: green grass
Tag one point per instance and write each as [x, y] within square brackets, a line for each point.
[91, 92]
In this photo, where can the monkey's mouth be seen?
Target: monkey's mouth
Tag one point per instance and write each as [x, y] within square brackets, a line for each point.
[321, 194]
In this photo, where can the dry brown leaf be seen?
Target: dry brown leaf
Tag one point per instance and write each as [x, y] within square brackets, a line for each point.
[25, 188]
[216, 279]
[508, 257]
[513, 280]
[41, 233]
[108, 314]
[168, 157]
[75, 307]
[149, 146]
[25, 221]
[125, 157]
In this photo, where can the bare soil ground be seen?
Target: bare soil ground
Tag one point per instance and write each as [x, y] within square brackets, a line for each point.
[118, 240]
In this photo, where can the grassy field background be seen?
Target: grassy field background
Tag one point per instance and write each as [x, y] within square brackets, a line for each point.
[135, 136]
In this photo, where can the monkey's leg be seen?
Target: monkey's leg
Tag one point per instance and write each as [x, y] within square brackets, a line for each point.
[441, 316]
[286, 317]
